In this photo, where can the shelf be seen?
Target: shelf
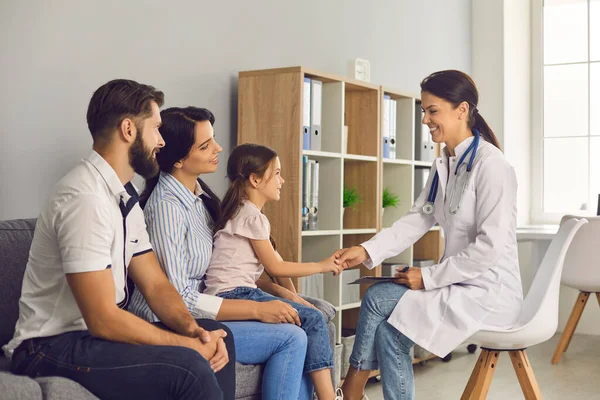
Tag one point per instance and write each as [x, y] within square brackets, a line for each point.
[348, 306]
[321, 233]
[358, 231]
[426, 164]
[357, 157]
[397, 161]
[320, 154]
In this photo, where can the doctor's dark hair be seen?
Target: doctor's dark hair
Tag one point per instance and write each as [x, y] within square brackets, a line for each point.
[116, 100]
[455, 87]
[178, 130]
[244, 160]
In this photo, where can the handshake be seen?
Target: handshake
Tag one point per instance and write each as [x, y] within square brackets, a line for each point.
[350, 257]
[343, 259]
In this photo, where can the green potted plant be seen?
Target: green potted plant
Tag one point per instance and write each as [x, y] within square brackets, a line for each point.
[389, 199]
[351, 198]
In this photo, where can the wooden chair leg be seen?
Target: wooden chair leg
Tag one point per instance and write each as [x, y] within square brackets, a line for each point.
[525, 375]
[565, 338]
[481, 378]
[598, 297]
[479, 366]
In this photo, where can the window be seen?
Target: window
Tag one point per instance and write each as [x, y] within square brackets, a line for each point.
[570, 109]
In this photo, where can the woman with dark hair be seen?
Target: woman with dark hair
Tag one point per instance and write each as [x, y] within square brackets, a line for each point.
[181, 212]
[471, 193]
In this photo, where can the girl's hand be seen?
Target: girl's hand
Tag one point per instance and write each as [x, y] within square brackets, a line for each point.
[411, 278]
[289, 295]
[329, 265]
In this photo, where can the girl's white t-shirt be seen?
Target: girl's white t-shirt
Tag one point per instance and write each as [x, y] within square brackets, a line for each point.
[234, 262]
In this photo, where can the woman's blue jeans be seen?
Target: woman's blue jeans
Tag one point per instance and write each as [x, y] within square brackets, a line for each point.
[282, 350]
[378, 345]
[319, 354]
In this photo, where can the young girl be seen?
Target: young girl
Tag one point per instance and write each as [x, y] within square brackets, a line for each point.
[243, 249]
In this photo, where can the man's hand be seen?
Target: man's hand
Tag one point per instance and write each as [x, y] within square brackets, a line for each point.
[197, 332]
[221, 357]
[214, 350]
[411, 278]
[350, 257]
[277, 312]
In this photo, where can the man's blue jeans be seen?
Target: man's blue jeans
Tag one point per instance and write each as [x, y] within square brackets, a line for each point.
[319, 354]
[282, 350]
[112, 370]
[378, 345]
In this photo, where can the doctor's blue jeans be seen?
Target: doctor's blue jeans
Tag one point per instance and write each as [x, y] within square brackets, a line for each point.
[378, 345]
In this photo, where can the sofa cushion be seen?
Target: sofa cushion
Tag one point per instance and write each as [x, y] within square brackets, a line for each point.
[56, 388]
[248, 381]
[16, 387]
[15, 241]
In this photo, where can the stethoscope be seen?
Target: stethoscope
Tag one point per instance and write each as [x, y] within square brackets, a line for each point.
[429, 207]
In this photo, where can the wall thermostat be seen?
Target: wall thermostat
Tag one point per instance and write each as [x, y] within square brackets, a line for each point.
[361, 69]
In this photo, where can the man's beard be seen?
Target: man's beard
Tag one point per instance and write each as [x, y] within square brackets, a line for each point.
[141, 159]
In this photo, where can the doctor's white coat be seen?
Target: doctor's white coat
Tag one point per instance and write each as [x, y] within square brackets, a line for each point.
[477, 283]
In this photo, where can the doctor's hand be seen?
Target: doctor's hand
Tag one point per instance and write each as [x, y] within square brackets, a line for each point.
[411, 278]
[350, 257]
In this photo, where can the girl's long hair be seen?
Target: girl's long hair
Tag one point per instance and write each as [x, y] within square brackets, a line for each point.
[244, 160]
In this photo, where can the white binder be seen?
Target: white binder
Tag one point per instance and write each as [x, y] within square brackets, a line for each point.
[385, 126]
[306, 114]
[393, 129]
[316, 109]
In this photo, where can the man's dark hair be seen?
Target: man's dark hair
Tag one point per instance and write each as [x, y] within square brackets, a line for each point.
[119, 99]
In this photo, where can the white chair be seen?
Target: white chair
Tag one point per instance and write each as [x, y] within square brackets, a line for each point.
[581, 272]
[536, 324]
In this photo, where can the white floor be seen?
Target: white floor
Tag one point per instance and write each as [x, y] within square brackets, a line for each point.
[577, 376]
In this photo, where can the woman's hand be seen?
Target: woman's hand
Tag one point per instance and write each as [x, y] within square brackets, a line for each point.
[330, 265]
[350, 257]
[411, 278]
[277, 312]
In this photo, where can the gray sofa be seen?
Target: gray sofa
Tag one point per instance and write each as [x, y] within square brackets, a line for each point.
[15, 241]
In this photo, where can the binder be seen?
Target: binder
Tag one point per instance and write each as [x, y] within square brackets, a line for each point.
[385, 126]
[305, 188]
[313, 213]
[316, 108]
[393, 129]
[306, 114]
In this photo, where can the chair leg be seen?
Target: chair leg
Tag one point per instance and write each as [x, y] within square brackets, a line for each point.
[479, 383]
[598, 297]
[565, 338]
[525, 375]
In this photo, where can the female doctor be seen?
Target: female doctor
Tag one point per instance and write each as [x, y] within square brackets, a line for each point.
[471, 194]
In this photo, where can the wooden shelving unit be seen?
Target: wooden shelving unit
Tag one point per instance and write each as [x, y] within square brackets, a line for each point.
[270, 113]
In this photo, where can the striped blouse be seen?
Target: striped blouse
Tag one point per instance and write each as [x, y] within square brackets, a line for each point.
[181, 233]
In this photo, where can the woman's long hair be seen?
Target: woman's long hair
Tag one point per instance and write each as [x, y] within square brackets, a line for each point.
[455, 87]
[244, 160]
[178, 129]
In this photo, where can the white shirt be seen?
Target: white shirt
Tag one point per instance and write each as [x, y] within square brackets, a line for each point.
[80, 229]
[477, 283]
[181, 232]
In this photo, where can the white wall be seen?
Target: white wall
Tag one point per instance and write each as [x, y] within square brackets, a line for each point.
[54, 55]
[501, 54]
